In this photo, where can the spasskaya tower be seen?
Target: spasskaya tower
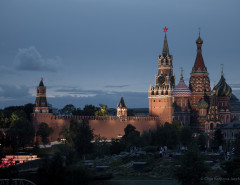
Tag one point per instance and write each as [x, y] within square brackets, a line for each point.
[160, 95]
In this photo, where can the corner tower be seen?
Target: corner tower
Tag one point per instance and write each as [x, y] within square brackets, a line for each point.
[122, 110]
[160, 95]
[41, 105]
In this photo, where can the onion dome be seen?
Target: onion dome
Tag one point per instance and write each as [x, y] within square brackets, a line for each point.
[222, 88]
[181, 90]
[199, 40]
[202, 104]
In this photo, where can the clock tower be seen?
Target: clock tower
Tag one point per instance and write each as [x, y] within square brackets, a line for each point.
[160, 95]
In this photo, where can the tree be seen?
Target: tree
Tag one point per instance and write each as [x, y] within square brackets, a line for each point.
[83, 138]
[237, 146]
[28, 109]
[166, 136]
[130, 112]
[131, 136]
[232, 171]
[78, 111]
[186, 135]
[192, 168]
[89, 110]
[44, 132]
[218, 138]
[16, 115]
[79, 135]
[67, 109]
[103, 111]
[201, 141]
[20, 133]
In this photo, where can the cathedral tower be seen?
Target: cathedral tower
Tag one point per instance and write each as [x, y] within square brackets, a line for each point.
[160, 96]
[223, 93]
[181, 96]
[41, 105]
[199, 82]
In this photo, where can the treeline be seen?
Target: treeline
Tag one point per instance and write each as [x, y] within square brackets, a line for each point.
[90, 110]
[80, 135]
[10, 114]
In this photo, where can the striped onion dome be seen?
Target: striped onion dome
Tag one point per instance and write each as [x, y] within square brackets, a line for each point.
[222, 88]
[181, 90]
[202, 104]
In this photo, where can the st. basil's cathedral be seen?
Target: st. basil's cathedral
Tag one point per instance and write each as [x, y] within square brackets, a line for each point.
[195, 105]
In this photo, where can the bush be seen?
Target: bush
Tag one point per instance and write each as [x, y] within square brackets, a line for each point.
[150, 148]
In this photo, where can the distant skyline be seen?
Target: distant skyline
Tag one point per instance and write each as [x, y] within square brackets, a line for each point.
[95, 51]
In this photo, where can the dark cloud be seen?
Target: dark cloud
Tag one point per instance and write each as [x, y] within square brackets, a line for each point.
[6, 70]
[12, 92]
[115, 86]
[31, 60]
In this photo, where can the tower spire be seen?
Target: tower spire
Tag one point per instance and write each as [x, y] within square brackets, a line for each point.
[165, 50]
[222, 70]
[181, 74]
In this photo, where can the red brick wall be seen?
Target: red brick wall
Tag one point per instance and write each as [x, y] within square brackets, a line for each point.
[109, 127]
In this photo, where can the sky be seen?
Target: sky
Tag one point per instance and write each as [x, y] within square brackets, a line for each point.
[95, 51]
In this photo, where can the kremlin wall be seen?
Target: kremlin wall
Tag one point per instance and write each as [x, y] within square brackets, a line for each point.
[195, 105]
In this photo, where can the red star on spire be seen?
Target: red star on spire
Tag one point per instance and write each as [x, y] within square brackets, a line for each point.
[165, 29]
[42, 79]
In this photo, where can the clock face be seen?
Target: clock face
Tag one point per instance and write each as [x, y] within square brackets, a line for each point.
[161, 79]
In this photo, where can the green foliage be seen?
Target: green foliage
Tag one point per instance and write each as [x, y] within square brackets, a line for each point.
[12, 113]
[237, 146]
[178, 125]
[44, 132]
[232, 169]
[83, 138]
[192, 169]
[131, 136]
[103, 111]
[201, 141]
[21, 133]
[78, 111]
[16, 115]
[79, 135]
[186, 135]
[130, 112]
[55, 172]
[67, 110]
[218, 138]
[166, 136]
[89, 110]
[101, 146]
[116, 146]
[150, 148]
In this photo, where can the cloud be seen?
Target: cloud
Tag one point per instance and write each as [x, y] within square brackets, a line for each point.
[11, 92]
[115, 86]
[5, 70]
[30, 59]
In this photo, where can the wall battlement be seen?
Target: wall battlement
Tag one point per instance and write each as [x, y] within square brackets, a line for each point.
[106, 118]
[108, 127]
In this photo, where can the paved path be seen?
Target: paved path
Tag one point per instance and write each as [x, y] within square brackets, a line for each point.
[138, 182]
